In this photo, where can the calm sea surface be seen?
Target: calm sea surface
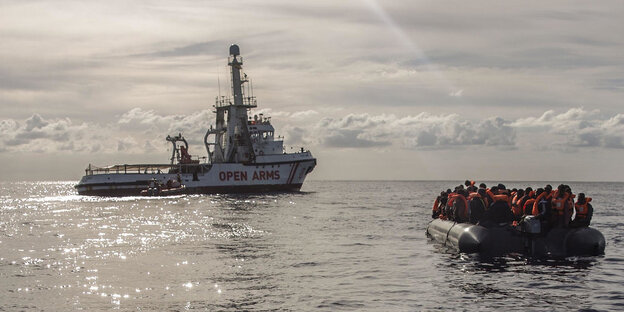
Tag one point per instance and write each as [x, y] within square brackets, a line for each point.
[335, 246]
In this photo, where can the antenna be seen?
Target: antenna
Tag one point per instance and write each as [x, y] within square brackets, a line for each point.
[219, 81]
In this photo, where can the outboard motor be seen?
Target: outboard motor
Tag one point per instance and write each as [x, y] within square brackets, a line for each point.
[531, 225]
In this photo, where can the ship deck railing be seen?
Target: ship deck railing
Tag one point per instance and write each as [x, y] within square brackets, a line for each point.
[137, 168]
[248, 101]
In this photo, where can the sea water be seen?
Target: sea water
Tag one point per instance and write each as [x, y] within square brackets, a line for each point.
[334, 246]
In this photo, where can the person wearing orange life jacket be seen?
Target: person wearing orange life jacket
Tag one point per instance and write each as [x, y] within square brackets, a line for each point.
[447, 209]
[548, 189]
[499, 210]
[516, 209]
[489, 195]
[558, 204]
[470, 186]
[526, 195]
[499, 193]
[478, 204]
[569, 207]
[529, 200]
[543, 199]
[512, 193]
[584, 211]
[438, 205]
[541, 206]
[461, 212]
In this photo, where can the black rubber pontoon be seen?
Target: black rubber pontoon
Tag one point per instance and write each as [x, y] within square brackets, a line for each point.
[504, 239]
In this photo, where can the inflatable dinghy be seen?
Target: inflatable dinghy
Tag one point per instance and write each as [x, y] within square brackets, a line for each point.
[525, 238]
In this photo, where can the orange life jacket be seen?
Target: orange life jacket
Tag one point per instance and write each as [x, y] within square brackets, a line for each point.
[483, 200]
[581, 209]
[559, 204]
[502, 198]
[435, 204]
[449, 204]
[517, 210]
[528, 205]
[544, 195]
[464, 213]
[496, 198]
[473, 195]
[451, 199]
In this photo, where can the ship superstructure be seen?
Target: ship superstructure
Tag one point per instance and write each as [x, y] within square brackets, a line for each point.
[243, 154]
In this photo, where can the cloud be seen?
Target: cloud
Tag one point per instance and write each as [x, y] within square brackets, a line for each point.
[138, 131]
[201, 48]
[41, 135]
[351, 138]
[304, 114]
[578, 127]
[570, 130]
[193, 126]
[36, 131]
[423, 131]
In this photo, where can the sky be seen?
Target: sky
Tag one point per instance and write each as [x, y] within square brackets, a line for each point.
[376, 90]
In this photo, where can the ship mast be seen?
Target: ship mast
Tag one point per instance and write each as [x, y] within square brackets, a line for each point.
[232, 140]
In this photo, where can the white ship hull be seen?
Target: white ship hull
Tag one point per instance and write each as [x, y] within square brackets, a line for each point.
[218, 178]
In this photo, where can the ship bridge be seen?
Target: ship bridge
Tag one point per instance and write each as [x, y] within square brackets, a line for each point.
[262, 136]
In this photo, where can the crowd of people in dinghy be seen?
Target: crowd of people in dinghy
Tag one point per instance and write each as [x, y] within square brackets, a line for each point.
[490, 206]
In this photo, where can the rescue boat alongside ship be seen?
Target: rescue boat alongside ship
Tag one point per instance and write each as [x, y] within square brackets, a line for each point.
[243, 156]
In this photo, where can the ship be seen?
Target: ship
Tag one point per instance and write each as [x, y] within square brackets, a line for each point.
[243, 154]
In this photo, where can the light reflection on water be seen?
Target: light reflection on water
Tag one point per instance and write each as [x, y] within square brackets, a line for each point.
[103, 252]
[339, 246]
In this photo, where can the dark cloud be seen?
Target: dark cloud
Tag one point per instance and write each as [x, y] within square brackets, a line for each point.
[426, 138]
[451, 132]
[215, 47]
[350, 139]
[35, 122]
[294, 135]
